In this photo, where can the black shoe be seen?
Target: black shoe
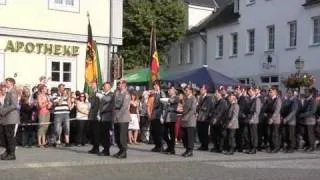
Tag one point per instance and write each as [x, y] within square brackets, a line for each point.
[117, 154]
[188, 154]
[203, 148]
[275, 151]
[157, 150]
[252, 151]
[104, 153]
[167, 150]
[212, 150]
[3, 155]
[68, 145]
[309, 149]
[9, 157]
[94, 151]
[229, 152]
[122, 155]
[289, 151]
[246, 151]
[171, 152]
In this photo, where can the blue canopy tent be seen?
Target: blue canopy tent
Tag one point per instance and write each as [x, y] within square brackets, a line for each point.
[202, 75]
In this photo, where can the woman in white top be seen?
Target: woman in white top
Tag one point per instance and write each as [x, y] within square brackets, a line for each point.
[135, 119]
[83, 108]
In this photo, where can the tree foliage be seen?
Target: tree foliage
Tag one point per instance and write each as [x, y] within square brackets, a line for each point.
[169, 19]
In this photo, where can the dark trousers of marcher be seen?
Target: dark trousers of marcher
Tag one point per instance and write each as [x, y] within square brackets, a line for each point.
[245, 137]
[95, 134]
[290, 136]
[273, 132]
[73, 131]
[188, 138]
[253, 136]
[169, 135]
[157, 132]
[239, 137]
[105, 141]
[80, 134]
[228, 141]
[9, 139]
[308, 136]
[202, 129]
[28, 135]
[121, 136]
[144, 129]
[215, 135]
[262, 135]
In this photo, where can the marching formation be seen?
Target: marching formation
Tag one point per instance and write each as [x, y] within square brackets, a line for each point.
[242, 119]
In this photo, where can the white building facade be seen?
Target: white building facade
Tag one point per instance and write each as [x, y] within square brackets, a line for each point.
[49, 37]
[261, 45]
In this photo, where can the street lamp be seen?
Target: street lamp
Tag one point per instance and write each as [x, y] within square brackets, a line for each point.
[299, 64]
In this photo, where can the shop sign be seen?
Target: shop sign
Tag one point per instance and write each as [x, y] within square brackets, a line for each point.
[41, 48]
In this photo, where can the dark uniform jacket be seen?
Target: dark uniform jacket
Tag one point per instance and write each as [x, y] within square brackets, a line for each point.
[107, 106]
[171, 110]
[220, 112]
[204, 108]
[289, 111]
[254, 111]
[243, 102]
[157, 105]
[94, 107]
[308, 111]
[273, 111]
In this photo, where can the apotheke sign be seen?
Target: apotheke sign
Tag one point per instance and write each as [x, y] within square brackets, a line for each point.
[41, 48]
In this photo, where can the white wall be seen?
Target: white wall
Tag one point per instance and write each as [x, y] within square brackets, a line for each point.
[196, 14]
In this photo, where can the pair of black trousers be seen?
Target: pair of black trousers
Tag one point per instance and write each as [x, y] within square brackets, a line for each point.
[188, 138]
[95, 133]
[239, 137]
[253, 135]
[215, 135]
[169, 135]
[81, 135]
[144, 129]
[121, 135]
[262, 135]
[309, 136]
[290, 136]
[227, 141]
[157, 132]
[105, 139]
[274, 137]
[28, 135]
[8, 137]
[202, 129]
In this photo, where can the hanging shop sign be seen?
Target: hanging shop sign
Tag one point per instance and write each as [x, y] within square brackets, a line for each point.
[41, 48]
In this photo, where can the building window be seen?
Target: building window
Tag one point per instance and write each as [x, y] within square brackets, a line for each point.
[62, 70]
[249, 2]
[316, 30]
[65, 5]
[251, 40]
[269, 81]
[245, 81]
[3, 2]
[220, 46]
[180, 59]
[234, 48]
[292, 34]
[190, 53]
[271, 37]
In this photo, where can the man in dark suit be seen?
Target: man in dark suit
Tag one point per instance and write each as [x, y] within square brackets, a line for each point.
[253, 120]
[10, 118]
[308, 120]
[273, 119]
[289, 113]
[170, 121]
[106, 106]
[204, 110]
[122, 119]
[93, 119]
[219, 114]
[156, 126]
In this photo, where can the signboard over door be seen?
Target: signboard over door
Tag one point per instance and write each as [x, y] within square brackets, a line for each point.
[269, 63]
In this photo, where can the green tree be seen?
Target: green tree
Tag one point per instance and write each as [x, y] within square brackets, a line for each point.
[169, 18]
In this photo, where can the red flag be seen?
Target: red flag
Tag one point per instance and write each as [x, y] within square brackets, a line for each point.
[154, 58]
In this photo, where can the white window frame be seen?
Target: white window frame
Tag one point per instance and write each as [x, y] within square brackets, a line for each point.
[234, 50]
[219, 46]
[65, 7]
[250, 2]
[3, 2]
[315, 39]
[269, 84]
[251, 43]
[2, 65]
[271, 37]
[61, 60]
[293, 28]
